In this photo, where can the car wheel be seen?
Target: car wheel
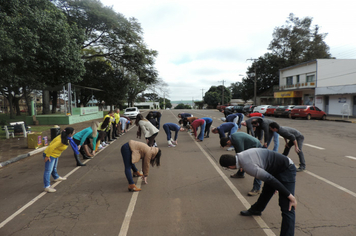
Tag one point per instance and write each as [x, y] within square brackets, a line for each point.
[308, 117]
[293, 117]
[323, 117]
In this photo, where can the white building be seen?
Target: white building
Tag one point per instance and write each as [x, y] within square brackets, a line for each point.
[330, 84]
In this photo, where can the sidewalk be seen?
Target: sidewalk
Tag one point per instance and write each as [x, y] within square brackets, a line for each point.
[15, 149]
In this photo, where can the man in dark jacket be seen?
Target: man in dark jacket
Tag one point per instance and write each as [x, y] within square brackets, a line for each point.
[278, 172]
[295, 138]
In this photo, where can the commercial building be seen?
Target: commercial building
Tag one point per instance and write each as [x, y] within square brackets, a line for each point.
[329, 84]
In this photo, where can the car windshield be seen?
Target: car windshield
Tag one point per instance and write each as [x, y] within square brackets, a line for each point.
[300, 107]
[131, 109]
[282, 107]
[272, 107]
[247, 106]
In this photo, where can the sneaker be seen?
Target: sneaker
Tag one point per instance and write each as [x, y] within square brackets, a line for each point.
[60, 179]
[49, 190]
[100, 147]
[171, 145]
[174, 142]
[230, 149]
[237, 176]
[254, 192]
[155, 144]
[300, 169]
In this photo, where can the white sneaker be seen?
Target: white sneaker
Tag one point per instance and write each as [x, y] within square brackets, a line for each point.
[155, 145]
[174, 142]
[230, 149]
[49, 190]
[60, 179]
[171, 145]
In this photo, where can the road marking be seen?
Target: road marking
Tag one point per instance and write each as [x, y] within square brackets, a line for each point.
[243, 200]
[126, 223]
[354, 158]
[320, 148]
[331, 183]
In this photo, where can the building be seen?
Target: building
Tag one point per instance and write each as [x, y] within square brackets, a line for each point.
[330, 84]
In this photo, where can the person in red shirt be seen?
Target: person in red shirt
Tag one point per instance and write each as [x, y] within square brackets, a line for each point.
[194, 126]
[255, 114]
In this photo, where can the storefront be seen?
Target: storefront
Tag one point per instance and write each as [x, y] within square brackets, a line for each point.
[289, 97]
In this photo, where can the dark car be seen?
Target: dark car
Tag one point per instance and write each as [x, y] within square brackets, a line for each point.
[284, 111]
[248, 108]
[238, 109]
[308, 112]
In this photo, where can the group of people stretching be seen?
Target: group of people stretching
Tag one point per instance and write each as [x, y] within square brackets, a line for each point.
[252, 156]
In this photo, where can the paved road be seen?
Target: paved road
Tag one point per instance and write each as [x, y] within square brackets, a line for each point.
[188, 195]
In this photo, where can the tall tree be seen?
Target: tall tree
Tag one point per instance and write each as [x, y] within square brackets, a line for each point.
[214, 96]
[297, 42]
[37, 46]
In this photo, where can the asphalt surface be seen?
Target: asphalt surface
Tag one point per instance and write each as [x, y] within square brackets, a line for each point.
[189, 194]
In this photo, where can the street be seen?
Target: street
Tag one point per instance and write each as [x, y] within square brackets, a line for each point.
[189, 194]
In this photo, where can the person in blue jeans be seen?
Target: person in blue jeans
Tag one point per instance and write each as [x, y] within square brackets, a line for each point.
[168, 127]
[208, 123]
[278, 172]
[228, 127]
[51, 155]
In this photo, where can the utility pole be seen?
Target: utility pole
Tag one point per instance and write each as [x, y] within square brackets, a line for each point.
[202, 98]
[223, 89]
[255, 82]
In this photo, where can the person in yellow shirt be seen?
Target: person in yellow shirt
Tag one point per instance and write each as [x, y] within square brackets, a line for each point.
[116, 124]
[111, 115]
[51, 155]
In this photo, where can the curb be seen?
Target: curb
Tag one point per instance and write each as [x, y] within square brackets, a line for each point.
[22, 156]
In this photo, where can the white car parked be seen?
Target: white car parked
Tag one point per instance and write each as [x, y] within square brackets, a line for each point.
[261, 109]
[131, 112]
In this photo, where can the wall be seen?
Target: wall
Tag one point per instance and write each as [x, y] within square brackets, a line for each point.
[336, 103]
[334, 72]
[301, 70]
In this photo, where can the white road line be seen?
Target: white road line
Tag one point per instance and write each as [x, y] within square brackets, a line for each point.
[331, 183]
[309, 145]
[126, 223]
[2, 224]
[243, 200]
[354, 158]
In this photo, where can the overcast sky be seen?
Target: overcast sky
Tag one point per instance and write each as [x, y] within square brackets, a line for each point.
[203, 43]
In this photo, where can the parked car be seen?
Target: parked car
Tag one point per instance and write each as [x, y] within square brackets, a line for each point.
[261, 109]
[131, 112]
[238, 109]
[270, 110]
[284, 111]
[248, 108]
[222, 107]
[308, 112]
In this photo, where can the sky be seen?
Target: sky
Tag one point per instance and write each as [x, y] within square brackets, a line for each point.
[208, 43]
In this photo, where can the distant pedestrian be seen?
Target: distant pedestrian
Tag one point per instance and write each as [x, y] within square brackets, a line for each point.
[208, 123]
[149, 131]
[132, 152]
[51, 155]
[83, 139]
[291, 137]
[168, 127]
[155, 115]
[194, 126]
[182, 116]
[229, 127]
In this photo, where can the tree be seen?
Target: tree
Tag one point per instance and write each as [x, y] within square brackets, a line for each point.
[112, 36]
[182, 106]
[38, 48]
[297, 42]
[214, 96]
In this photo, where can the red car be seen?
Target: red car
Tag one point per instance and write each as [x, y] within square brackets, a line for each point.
[270, 110]
[307, 112]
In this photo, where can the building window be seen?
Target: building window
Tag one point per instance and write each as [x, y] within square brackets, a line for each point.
[290, 80]
[298, 81]
[310, 78]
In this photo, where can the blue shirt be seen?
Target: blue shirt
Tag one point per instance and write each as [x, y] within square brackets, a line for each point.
[225, 128]
[208, 120]
[231, 117]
